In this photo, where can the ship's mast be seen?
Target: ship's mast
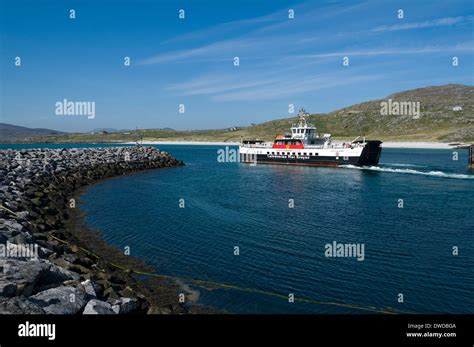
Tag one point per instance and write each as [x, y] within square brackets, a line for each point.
[302, 114]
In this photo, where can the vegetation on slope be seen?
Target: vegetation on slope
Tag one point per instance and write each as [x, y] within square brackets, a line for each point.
[437, 122]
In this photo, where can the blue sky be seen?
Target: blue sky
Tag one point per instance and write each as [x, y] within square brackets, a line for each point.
[190, 61]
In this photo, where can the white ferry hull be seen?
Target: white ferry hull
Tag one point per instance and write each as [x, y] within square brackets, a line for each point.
[360, 156]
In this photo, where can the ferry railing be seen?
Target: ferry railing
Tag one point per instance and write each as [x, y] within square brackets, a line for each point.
[257, 145]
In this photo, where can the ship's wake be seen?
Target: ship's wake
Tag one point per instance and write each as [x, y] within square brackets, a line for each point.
[411, 171]
[402, 165]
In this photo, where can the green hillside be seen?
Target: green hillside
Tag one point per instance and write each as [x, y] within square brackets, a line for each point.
[437, 122]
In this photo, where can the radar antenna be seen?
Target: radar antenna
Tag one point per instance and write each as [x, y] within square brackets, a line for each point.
[302, 114]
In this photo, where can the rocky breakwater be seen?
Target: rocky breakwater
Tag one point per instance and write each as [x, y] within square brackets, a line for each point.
[45, 264]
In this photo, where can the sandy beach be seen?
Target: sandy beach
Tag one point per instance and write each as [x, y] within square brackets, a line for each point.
[432, 145]
[388, 144]
[197, 143]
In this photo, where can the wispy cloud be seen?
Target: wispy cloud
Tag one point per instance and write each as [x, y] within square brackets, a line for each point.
[229, 27]
[226, 48]
[293, 57]
[213, 85]
[297, 87]
[266, 86]
[263, 34]
[466, 46]
[447, 21]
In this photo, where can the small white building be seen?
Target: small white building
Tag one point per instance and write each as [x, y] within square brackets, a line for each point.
[457, 108]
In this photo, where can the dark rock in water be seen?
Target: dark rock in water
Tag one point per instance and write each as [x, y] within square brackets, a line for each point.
[60, 300]
[80, 269]
[84, 262]
[110, 294]
[36, 192]
[36, 201]
[127, 292]
[159, 310]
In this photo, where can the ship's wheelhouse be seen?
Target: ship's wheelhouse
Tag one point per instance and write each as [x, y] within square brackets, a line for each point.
[303, 131]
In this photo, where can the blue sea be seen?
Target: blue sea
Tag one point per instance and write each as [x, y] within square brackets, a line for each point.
[187, 222]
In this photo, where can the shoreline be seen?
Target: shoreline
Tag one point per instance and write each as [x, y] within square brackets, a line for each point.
[161, 294]
[186, 143]
[417, 145]
[36, 211]
[387, 144]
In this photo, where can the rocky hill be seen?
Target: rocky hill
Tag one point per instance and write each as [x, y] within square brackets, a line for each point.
[14, 133]
[446, 114]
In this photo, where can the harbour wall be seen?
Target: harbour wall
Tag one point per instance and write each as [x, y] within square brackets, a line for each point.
[46, 263]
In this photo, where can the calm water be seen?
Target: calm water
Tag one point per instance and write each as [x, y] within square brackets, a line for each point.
[407, 250]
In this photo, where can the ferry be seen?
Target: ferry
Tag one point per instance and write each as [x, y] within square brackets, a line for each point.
[304, 146]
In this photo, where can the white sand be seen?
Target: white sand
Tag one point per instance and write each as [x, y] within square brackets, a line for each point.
[202, 143]
[388, 144]
[435, 145]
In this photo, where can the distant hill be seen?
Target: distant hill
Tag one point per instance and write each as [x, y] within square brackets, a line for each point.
[109, 130]
[438, 121]
[113, 130]
[446, 115]
[13, 133]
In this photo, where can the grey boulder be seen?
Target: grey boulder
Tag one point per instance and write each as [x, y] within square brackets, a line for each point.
[60, 300]
[95, 306]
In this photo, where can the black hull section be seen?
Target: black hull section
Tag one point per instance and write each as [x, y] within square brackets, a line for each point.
[370, 156]
[312, 161]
